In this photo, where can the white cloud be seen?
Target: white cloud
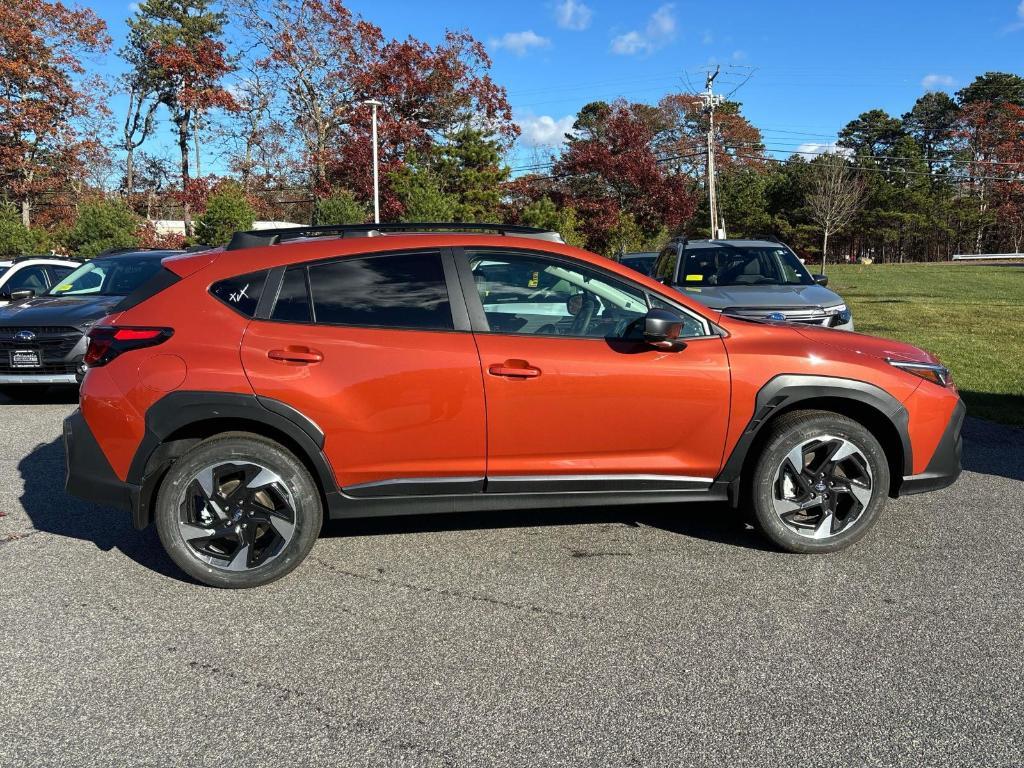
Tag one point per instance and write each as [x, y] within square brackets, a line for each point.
[812, 149]
[544, 130]
[660, 30]
[707, 38]
[935, 82]
[573, 14]
[520, 42]
[739, 55]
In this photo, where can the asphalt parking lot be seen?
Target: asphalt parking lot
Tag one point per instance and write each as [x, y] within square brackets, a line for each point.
[669, 637]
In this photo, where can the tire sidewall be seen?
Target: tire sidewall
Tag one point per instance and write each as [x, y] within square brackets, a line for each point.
[295, 476]
[775, 450]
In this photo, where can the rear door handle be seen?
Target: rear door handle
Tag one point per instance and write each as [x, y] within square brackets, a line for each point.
[302, 355]
[514, 369]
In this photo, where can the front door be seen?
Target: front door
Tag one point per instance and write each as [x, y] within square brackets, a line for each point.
[575, 398]
[367, 347]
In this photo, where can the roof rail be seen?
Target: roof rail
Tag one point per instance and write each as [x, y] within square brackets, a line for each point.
[27, 256]
[257, 238]
[129, 249]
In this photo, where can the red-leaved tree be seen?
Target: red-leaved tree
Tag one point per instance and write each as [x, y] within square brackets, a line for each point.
[45, 97]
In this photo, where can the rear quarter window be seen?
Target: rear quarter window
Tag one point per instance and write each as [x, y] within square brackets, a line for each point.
[241, 293]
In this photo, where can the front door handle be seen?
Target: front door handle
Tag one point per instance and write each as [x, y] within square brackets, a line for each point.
[302, 355]
[514, 369]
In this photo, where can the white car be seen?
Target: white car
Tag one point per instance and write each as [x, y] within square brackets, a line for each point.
[28, 276]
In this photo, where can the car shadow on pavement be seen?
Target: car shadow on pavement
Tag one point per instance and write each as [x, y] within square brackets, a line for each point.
[718, 523]
[993, 449]
[51, 510]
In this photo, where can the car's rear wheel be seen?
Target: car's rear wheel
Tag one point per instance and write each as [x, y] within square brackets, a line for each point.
[238, 511]
[820, 483]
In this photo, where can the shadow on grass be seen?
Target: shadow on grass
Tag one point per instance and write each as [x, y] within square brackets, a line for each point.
[1005, 409]
[53, 511]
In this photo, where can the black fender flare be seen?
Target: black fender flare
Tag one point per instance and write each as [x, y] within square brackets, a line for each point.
[180, 410]
[786, 390]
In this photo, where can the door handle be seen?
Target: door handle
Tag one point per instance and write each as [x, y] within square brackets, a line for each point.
[514, 369]
[302, 355]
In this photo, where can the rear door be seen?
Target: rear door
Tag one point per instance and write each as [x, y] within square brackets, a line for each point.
[378, 352]
[576, 400]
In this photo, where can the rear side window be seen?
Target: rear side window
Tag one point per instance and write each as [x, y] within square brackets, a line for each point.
[292, 304]
[157, 283]
[390, 291]
[241, 293]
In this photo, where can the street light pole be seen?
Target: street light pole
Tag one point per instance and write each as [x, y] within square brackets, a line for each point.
[376, 179]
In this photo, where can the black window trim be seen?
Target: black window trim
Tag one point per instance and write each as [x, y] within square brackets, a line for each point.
[479, 318]
[456, 299]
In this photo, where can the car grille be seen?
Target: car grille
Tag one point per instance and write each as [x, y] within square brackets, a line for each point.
[53, 343]
[803, 315]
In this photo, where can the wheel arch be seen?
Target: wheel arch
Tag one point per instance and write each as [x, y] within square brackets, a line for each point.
[871, 406]
[181, 420]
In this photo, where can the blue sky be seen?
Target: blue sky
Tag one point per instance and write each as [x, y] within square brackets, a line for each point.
[814, 66]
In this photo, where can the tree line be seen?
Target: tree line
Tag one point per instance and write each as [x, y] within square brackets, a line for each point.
[272, 94]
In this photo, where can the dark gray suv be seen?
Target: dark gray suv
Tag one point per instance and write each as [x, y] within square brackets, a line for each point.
[755, 279]
[43, 339]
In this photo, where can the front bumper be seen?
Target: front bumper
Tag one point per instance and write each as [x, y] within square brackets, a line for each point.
[88, 474]
[7, 379]
[944, 467]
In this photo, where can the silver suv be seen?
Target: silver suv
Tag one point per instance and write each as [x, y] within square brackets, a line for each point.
[755, 279]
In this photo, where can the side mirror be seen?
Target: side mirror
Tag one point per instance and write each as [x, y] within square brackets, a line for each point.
[28, 293]
[820, 279]
[662, 328]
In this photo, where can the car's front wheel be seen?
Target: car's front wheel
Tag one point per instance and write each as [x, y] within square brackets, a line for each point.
[820, 483]
[238, 511]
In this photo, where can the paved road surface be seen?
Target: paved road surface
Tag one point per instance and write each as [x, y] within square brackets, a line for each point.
[617, 638]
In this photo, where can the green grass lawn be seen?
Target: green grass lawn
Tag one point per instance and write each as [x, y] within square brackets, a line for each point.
[970, 316]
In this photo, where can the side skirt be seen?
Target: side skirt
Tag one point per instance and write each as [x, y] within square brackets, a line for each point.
[345, 507]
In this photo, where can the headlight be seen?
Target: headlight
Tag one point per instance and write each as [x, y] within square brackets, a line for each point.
[933, 372]
[840, 313]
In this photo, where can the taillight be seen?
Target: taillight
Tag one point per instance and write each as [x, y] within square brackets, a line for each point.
[107, 342]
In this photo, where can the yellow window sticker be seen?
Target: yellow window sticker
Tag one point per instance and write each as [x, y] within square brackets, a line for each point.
[694, 278]
[65, 287]
[534, 280]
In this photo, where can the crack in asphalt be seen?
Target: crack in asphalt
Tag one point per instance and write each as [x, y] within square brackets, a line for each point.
[458, 593]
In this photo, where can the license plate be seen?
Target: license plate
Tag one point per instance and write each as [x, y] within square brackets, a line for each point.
[25, 358]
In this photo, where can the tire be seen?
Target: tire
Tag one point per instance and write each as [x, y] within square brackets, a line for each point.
[255, 498]
[833, 499]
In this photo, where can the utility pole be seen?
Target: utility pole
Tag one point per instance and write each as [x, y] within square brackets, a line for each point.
[710, 102]
[376, 180]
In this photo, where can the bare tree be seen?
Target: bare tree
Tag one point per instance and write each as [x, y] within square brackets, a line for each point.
[138, 124]
[835, 196]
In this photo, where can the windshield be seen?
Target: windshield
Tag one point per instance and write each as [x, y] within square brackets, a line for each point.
[743, 265]
[2, 270]
[107, 277]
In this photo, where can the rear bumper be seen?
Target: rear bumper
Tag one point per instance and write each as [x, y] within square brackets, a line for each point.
[944, 467]
[88, 474]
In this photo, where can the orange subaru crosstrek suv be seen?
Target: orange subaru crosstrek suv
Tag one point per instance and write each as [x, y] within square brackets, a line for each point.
[244, 394]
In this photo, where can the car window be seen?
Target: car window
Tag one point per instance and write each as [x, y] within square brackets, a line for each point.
[292, 304]
[532, 294]
[58, 273]
[733, 265]
[386, 291]
[693, 327]
[242, 292]
[28, 279]
[665, 268]
[107, 277]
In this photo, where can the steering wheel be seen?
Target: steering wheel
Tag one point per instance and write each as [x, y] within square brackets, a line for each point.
[581, 322]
